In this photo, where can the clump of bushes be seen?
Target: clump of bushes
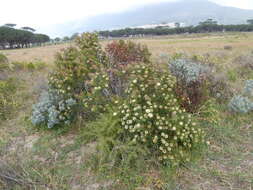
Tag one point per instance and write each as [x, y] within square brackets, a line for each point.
[243, 103]
[191, 82]
[151, 115]
[89, 82]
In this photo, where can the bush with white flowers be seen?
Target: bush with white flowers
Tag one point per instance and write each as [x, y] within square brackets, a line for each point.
[151, 115]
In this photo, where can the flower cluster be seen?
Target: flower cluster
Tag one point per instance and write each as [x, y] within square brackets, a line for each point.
[151, 115]
[96, 100]
[53, 109]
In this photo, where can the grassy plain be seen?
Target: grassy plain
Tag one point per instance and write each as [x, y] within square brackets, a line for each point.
[53, 160]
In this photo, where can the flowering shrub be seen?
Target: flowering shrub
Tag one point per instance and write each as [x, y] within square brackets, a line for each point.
[53, 110]
[122, 55]
[75, 66]
[191, 83]
[151, 115]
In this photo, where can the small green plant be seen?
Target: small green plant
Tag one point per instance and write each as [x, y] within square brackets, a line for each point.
[232, 75]
[4, 63]
[8, 89]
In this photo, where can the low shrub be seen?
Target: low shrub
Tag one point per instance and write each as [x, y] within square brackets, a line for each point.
[228, 47]
[53, 109]
[240, 104]
[191, 82]
[248, 88]
[243, 103]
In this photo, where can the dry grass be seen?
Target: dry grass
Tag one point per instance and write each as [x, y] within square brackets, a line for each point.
[190, 44]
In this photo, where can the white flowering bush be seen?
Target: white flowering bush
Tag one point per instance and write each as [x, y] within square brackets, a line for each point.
[53, 109]
[151, 115]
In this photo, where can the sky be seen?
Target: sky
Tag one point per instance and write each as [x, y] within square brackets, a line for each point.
[44, 14]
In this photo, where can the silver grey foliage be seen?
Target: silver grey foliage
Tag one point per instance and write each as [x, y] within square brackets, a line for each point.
[187, 70]
[243, 103]
[53, 109]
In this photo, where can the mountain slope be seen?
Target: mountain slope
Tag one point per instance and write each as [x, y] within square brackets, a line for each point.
[190, 12]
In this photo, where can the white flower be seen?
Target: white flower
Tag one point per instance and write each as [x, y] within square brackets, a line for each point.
[115, 113]
[150, 115]
[135, 81]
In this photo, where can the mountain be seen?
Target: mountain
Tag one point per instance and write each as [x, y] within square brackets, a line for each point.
[190, 12]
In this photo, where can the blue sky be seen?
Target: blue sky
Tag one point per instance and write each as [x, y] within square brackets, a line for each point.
[43, 14]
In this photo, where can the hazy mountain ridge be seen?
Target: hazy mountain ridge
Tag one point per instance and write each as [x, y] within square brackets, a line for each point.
[190, 12]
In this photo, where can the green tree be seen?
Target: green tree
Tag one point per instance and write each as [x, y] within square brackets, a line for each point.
[28, 29]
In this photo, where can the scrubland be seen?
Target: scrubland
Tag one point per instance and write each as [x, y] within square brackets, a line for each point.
[69, 157]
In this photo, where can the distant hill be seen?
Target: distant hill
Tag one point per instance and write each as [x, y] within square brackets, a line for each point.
[190, 12]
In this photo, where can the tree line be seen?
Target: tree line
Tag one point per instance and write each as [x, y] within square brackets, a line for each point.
[206, 26]
[25, 37]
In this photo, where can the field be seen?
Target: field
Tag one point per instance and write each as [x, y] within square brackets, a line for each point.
[58, 159]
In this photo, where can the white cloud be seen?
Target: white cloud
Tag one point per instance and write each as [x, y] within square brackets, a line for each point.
[244, 4]
[43, 14]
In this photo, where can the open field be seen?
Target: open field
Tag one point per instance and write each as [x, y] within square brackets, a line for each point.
[191, 44]
[59, 159]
